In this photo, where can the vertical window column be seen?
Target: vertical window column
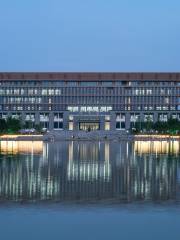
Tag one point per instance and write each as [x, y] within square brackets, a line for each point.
[71, 124]
[163, 117]
[44, 120]
[120, 121]
[30, 120]
[58, 121]
[134, 119]
[107, 122]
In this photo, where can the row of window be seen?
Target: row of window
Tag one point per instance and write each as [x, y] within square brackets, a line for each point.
[99, 110]
[135, 117]
[87, 83]
[32, 91]
[31, 116]
[97, 92]
[73, 99]
[120, 117]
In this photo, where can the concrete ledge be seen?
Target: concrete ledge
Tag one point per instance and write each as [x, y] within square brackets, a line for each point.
[82, 135]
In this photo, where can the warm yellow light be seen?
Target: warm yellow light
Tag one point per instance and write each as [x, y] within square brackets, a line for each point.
[16, 136]
[157, 136]
[15, 147]
[157, 146]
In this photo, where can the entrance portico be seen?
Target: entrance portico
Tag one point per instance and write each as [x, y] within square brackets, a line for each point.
[86, 122]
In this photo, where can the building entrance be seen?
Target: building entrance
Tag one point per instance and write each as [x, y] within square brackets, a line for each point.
[89, 126]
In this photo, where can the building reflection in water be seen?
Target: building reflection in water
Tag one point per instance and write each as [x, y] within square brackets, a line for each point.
[89, 171]
[88, 162]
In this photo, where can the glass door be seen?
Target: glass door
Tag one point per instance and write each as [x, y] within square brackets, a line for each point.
[89, 126]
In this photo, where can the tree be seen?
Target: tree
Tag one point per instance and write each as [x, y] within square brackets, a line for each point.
[160, 126]
[148, 124]
[3, 125]
[173, 125]
[13, 125]
[29, 124]
[39, 127]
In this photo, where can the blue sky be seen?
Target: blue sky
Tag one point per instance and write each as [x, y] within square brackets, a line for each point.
[89, 35]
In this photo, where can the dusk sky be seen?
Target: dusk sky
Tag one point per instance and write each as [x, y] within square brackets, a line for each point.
[89, 35]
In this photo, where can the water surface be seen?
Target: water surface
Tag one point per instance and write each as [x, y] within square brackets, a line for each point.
[90, 190]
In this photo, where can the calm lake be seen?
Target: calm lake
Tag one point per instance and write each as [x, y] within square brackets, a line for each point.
[90, 190]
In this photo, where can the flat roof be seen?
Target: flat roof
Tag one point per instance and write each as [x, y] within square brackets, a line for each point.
[91, 76]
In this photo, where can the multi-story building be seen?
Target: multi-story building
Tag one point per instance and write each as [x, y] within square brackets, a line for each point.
[89, 101]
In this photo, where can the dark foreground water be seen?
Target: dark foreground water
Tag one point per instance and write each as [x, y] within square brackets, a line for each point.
[90, 190]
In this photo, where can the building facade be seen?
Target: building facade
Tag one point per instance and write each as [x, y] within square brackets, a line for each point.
[89, 101]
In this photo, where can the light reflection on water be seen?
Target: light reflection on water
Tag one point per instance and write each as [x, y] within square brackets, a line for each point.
[20, 147]
[114, 172]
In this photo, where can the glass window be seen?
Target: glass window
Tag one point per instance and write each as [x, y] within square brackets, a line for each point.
[107, 126]
[58, 125]
[88, 84]
[107, 118]
[107, 84]
[72, 84]
[71, 118]
[70, 125]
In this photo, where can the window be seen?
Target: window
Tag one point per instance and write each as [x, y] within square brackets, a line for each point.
[135, 117]
[163, 117]
[58, 116]
[71, 117]
[120, 121]
[107, 126]
[30, 117]
[71, 126]
[148, 117]
[58, 125]
[120, 117]
[107, 84]
[72, 84]
[44, 117]
[88, 84]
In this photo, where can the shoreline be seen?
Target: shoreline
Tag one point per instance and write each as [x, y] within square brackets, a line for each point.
[19, 137]
[89, 136]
